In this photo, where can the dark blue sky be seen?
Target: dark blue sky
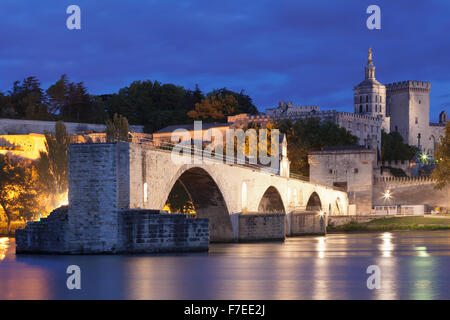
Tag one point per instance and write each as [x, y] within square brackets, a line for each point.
[310, 52]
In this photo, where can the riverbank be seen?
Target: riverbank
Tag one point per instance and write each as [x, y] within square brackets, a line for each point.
[418, 223]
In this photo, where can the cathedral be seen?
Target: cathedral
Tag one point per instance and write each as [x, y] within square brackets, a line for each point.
[402, 106]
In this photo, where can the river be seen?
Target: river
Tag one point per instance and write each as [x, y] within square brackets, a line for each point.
[413, 265]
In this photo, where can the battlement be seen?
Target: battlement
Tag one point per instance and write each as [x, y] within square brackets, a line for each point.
[301, 115]
[434, 124]
[359, 116]
[408, 84]
[394, 181]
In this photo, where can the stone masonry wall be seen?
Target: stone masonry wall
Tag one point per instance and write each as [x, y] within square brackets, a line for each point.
[48, 235]
[93, 197]
[411, 191]
[150, 231]
[301, 223]
[261, 226]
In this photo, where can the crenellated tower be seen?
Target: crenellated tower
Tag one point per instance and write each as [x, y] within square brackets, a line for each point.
[409, 108]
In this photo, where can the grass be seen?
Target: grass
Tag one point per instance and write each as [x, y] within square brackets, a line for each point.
[395, 223]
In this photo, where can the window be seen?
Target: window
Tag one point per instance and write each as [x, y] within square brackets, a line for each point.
[417, 120]
[244, 195]
[367, 98]
[330, 171]
[356, 170]
[376, 98]
[420, 101]
[360, 99]
[360, 109]
[396, 128]
[381, 99]
[367, 108]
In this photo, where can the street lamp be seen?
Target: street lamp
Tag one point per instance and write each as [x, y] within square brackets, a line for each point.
[424, 157]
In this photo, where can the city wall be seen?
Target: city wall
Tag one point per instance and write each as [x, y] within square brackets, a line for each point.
[419, 190]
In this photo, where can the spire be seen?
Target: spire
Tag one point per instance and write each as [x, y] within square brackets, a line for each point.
[370, 68]
[369, 59]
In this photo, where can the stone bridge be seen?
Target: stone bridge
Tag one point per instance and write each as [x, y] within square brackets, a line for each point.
[107, 177]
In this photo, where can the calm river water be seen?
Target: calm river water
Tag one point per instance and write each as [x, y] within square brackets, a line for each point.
[414, 265]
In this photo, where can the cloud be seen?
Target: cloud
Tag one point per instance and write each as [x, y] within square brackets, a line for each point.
[310, 52]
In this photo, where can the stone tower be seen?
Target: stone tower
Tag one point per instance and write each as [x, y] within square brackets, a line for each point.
[370, 95]
[409, 106]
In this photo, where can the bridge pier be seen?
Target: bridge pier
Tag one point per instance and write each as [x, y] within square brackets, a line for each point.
[305, 223]
[259, 226]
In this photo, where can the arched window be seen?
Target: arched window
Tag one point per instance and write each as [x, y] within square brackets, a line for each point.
[244, 195]
[360, 109]
[376, 98]
[360, 99]
[367, 108]
[367, 98]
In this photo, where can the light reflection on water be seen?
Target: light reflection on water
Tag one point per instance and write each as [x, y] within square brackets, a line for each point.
[414, 265]
[4, 244]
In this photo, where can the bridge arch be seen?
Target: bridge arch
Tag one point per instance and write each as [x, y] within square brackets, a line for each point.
[314, 203]
[271, 201]
[208, 199]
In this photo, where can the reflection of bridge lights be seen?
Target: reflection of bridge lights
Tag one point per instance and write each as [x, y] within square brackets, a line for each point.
[321, 247]
[387, 246]
[387, 194]
[422, 251]
[4, 242]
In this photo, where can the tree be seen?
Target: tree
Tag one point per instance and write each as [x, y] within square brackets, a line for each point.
[309, 135]
[245, 103]
[52, 165]
[152, 104]
[214, 108]
[117, 129]
[28, 100]
[17, 189]
[441, 172]
[393, 148]
[71, 102]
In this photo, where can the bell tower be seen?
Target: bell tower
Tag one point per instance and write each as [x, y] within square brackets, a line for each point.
[370, 95]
